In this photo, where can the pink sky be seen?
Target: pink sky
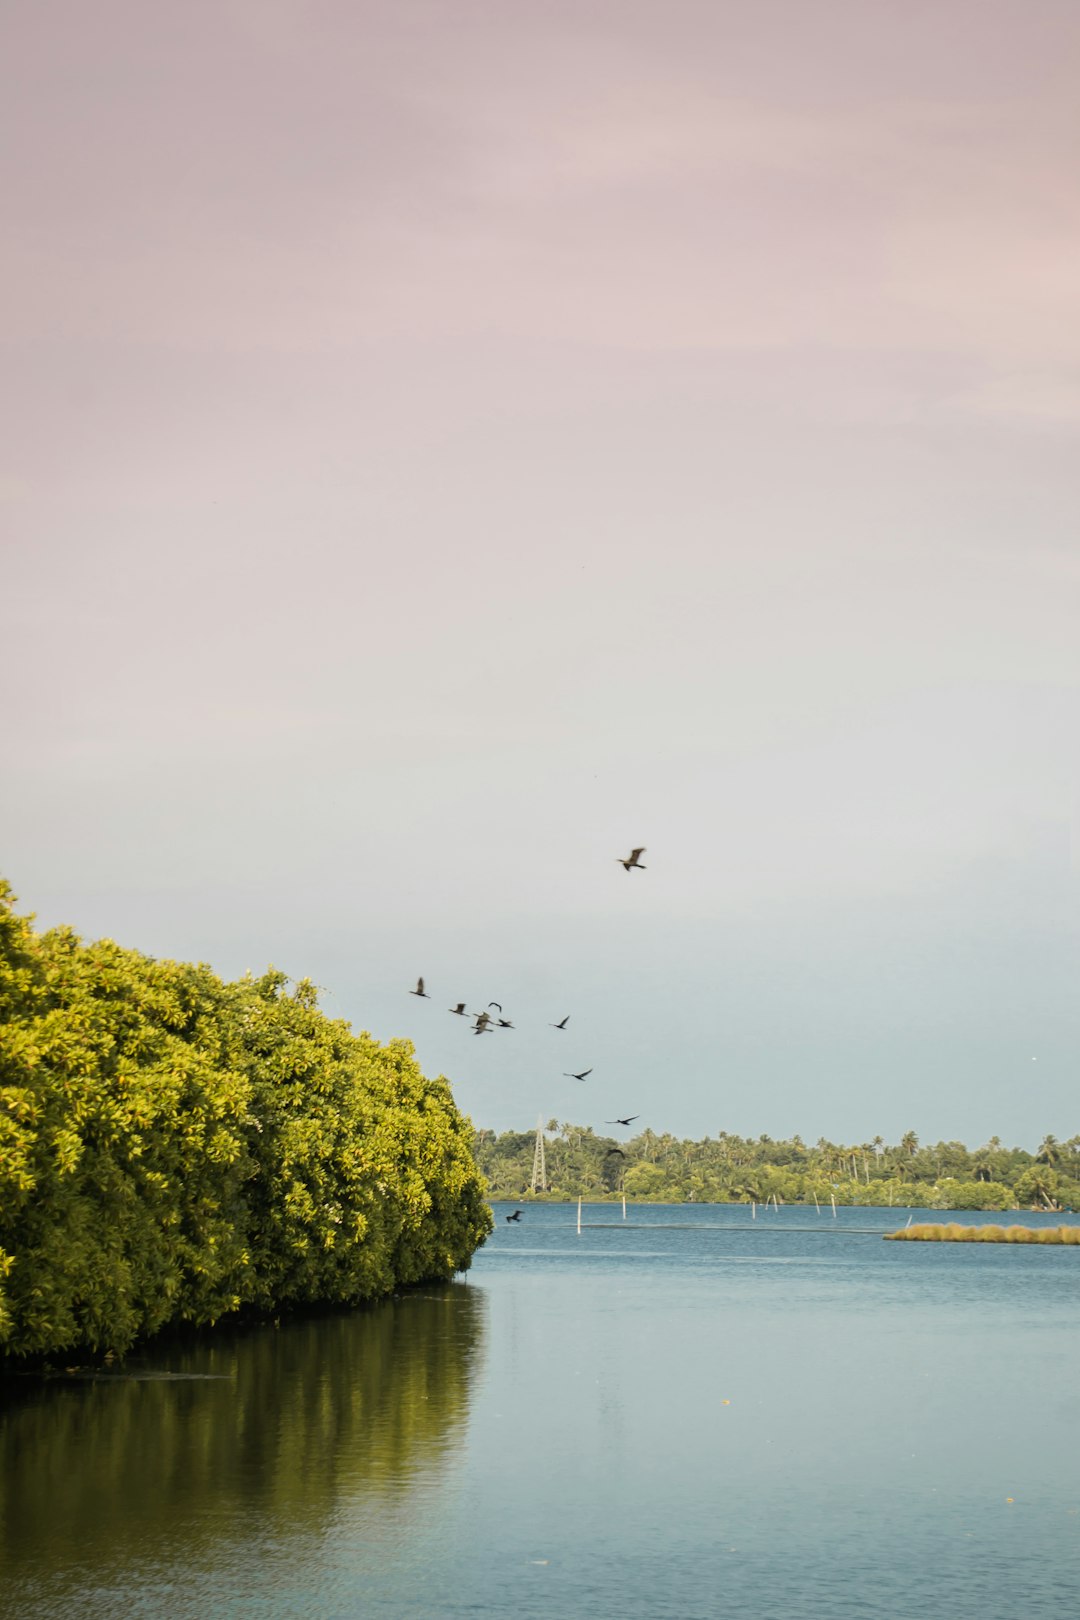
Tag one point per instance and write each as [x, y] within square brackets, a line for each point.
[442, 444]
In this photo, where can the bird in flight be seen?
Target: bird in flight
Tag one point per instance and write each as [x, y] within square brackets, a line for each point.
[633, 860]
[483, 1022]
[564, 1023]
[495, 1004]
[459, 1009]
[617, 1152]
[420, 991]
[627, 1121]
[516, 1216]
[580, 1076]
[504, 1023]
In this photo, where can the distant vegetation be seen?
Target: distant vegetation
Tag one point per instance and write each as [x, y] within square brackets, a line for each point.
[736, 1169]
[174, 1148]
[953, 1232]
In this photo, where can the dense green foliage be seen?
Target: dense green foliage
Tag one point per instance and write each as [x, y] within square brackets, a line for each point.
[733, 1169]
[174, 1147]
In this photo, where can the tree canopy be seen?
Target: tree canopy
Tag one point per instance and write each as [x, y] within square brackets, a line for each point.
[731, 1169]
[174, 1147]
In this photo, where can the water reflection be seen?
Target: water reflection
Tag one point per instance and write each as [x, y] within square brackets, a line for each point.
[263, 1435]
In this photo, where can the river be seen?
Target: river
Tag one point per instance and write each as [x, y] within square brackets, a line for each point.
[692, 1413]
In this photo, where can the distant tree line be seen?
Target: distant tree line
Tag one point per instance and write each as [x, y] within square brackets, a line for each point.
[175, 1148]
[735, 1169]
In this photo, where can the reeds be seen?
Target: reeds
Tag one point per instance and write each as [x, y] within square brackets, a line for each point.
[954, 1232]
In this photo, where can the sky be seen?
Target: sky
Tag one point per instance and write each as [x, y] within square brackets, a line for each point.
[443, 446]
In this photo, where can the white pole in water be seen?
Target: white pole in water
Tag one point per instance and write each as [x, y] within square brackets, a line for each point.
[833, 1197]
[579, 1217]
[624, 1206]
[753, 1210]
[817, 1206]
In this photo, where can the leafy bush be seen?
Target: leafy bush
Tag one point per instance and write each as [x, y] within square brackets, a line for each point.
[173, 1147]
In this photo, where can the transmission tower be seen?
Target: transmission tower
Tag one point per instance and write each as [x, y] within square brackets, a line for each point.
[539, 1175]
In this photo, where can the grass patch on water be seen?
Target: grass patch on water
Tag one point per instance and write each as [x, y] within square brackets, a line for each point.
[954, 1232]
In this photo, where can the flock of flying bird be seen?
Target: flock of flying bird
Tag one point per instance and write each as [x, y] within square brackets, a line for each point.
[485, 1024]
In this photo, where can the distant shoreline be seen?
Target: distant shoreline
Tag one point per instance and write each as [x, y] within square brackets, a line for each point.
[744, 1203]
[561, 1161]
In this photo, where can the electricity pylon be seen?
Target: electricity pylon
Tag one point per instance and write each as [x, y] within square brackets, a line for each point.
[539, 1175]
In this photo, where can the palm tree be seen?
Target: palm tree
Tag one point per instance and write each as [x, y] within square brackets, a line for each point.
[1049, 1151]
[909, 1142]
[1038, 1185]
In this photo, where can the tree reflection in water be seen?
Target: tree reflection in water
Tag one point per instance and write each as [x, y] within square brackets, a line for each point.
[262, 1434]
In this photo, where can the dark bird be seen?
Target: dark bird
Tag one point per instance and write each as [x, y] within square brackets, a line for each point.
[483, 1020]
[495, 1004]
[504, 1023]
[459, 1009]
[633, 861]
[618, 1152]
[564, 1023]
[516, 1216]
[580, 1076]
[628, 1121]
[419, 991]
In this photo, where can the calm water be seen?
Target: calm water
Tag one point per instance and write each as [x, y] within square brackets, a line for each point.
[690, 1415]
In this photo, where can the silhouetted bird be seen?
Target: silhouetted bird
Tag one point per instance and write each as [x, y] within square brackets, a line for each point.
[504, 1023]
[516, 1216]
[580, 1076]
[419, 991]
[459, 1009]
[629, 1120]
[495, 1004]
[633, 861]
[564, 1023]
[617, 1151]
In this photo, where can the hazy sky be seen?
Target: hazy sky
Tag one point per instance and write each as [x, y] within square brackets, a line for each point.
[444, 445]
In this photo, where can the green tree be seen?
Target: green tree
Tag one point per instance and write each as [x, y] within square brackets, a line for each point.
[1037, 1187]
[173, 1147]
[643, 1180]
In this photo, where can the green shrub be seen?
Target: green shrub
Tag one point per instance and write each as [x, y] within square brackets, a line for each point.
[173, 1147]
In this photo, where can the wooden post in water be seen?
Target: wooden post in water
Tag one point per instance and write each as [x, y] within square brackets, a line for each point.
[833, 1197]
[579, 1217]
